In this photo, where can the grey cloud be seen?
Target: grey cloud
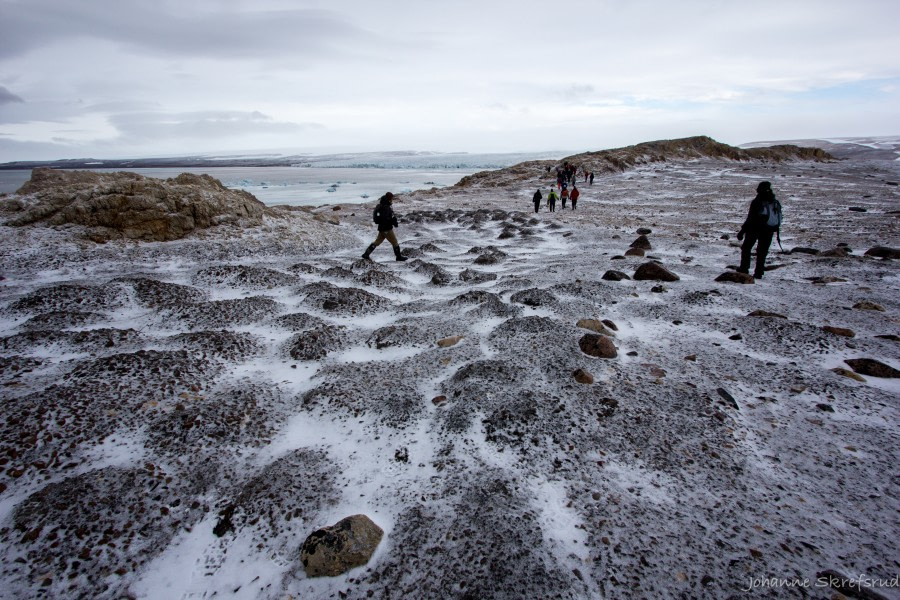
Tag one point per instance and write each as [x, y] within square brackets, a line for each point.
[7, 97]
[145, 126]
[148, 26]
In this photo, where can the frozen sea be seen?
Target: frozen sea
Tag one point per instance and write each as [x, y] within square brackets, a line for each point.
[346, 179]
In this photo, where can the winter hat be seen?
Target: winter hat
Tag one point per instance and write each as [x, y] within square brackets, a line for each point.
[387, 198]
[763, 186]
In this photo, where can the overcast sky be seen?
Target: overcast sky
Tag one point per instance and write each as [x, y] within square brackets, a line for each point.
[134, 78]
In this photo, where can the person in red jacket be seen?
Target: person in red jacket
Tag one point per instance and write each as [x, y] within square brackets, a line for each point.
[564, 196]
[574, 197]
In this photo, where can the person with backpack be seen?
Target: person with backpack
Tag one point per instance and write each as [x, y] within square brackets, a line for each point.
[573, 197]
[564, 196]
[763, 221]
[551, 200]
[537, 200]
[384, 216]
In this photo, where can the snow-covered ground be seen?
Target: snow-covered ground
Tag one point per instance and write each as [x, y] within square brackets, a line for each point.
[178, 417]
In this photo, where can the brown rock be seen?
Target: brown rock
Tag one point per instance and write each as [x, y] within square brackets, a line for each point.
[735, 277]
[439, 400]
[651, 271]
[449, 341]
[594, 325]
[612, 275]
[634, 252]
[866, 305]
[872, 367]
[597, 345]
[883, 252]
[839, 331]
[582, 376]
[334, 550]
[839, 252]
[642, 243]
[610, 324]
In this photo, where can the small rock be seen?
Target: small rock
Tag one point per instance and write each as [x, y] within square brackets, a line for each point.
[839, 252]
[634, 252]
[866, 305]
[691, 357]
[857, 209]
[872, 368]
[633, 353]
[883, 252]
[848, 373]
[610, 324]
[841, 331]
[659, 289]
[802, 250]
[642, 243]
[614, 276]
[735, 277]
[798, 389]
[651, 271]
[735, 337]
[824, 280]
[594, 325]
[334, 550]
[439, 400]
[597, 345]
[725, 237]
[449, 341]
[728, 398]
[825, 407]
[644, 231]
[402, 455]
[582, 376]
[764, 313]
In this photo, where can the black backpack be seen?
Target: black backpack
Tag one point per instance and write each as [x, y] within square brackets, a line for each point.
[376, 214]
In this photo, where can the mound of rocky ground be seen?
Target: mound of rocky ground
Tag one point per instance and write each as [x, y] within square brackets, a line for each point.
[128, 205]
[622, 159]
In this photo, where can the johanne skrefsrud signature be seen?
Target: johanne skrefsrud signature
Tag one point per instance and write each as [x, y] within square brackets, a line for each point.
[822, 580]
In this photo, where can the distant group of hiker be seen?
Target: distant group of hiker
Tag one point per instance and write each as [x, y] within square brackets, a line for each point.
[552, 197]
[763, 222]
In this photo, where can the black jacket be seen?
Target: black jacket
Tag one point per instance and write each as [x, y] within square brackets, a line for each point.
[537, 196]
[758, 215]
[384, 216]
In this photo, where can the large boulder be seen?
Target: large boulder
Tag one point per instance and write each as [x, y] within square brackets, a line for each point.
[334, 550]
[128, 205]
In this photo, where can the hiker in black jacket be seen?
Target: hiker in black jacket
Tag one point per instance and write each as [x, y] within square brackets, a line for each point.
[762, 222]
[537, 200]
[384, 216]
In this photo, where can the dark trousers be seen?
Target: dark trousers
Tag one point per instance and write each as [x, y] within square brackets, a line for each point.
[537, 206]
[762, 250]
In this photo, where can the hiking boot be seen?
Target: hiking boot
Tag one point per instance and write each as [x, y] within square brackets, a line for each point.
[758, 275]
[397, 255]
[368, 251]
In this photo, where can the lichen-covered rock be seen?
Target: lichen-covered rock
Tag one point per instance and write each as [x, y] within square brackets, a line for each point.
[595, 326]
[349, 543]
[245, 277]
[128, 205]
[841, 331]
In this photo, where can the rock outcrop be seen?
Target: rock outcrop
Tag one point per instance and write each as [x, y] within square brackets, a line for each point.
[130, 206]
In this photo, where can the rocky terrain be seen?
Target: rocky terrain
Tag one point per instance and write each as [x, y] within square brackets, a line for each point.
[515, 407]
